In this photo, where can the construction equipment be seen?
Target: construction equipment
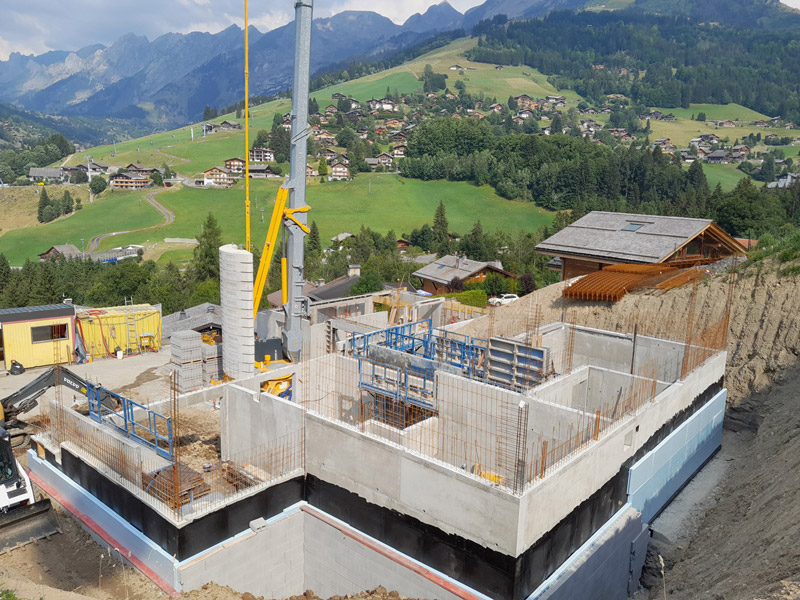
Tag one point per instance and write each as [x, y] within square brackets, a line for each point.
[280, 386]
[22, 519]
[27, 398]
[290, 205]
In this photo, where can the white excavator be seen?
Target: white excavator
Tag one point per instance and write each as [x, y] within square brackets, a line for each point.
[22, 518]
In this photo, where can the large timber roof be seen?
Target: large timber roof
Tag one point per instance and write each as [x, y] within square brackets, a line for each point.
[632, 238]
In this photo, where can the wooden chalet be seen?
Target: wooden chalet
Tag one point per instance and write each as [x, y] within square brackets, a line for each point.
[605, 238]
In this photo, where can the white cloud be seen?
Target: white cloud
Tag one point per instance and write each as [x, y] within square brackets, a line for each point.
[792, 3]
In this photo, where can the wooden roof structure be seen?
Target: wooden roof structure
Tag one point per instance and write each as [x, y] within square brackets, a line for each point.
[615, 238]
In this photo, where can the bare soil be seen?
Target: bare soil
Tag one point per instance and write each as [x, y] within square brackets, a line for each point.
[746, 543]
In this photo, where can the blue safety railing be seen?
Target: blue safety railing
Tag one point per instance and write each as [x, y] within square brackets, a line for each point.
[124, 420]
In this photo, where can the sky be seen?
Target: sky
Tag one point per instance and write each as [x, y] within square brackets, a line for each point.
[74, 24]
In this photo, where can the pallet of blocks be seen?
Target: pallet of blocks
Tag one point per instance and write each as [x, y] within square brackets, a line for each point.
[187, 359]
[212, 363]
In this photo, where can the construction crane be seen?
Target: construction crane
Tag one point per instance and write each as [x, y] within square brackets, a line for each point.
[247, 127]
[291, 208]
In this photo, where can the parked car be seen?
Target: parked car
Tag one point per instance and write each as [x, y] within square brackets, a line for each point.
[503, 299]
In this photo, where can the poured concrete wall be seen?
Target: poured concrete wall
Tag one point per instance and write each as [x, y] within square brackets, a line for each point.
[251, 419]
[668, 355]
[268, 562]
[602, 349]
[478, 423]
[392, 477]
[336, 565]
[551, 499]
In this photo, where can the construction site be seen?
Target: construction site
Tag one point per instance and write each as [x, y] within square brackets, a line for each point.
[392, 439]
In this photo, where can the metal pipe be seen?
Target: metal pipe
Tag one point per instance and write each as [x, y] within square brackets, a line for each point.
[296, 308]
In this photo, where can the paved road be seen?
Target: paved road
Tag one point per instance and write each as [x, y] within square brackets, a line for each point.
[168, 215]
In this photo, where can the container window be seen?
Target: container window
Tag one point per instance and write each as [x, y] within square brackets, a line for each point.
[49, 333]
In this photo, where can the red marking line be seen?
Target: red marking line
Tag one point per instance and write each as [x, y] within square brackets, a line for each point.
[396, 557]
[91, 524]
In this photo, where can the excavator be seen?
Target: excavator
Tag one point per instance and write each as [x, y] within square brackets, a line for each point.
[27, 398]
[22, 518]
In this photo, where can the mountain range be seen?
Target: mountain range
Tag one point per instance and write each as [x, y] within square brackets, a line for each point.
[169, 81]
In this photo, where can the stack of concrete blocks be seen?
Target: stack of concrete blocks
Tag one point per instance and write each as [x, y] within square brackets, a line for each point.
[238, 324]
[212, 363]
[187, 359]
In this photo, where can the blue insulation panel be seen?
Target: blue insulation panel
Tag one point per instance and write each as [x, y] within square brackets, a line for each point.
[657, 477]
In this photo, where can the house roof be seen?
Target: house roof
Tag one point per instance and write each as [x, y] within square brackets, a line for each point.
[65, 250]
[223, 169]
[48, 172]
[27, 313]
[338, 288]
[202, 316]
[275, 297]
[445, 269]
[603, 235]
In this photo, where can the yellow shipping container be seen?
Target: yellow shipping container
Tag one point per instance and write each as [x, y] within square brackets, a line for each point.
[36, 336]
[132, 329]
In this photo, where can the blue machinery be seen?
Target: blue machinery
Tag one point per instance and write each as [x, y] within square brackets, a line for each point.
[123, 419]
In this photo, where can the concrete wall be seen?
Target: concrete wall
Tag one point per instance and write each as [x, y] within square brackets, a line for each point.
[602, 564]
[392, 477]
[668, 355]
[249, 419]
[551, 499]
[336, 565]
[602, 349]
[268, 562]
[478, 424]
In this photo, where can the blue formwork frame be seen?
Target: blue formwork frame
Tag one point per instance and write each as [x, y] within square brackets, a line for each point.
[404, 392]
[147, 435]
[421, 339]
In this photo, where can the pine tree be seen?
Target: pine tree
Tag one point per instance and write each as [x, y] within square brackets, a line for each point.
[5, 272]
[44, 202]
[441, 234]
[43, 288]
[67, 204]
[322, 169]
[205, 261]
[314, 243]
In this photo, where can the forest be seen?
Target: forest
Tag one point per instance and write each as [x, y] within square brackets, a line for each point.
[666, 61]
[561, 172]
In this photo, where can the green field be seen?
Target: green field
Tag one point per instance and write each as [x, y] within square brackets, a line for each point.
[726, 175]
[394, 203]
[116, 211]
[716, 112]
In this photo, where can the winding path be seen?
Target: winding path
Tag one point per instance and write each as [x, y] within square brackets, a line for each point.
[169, 218]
